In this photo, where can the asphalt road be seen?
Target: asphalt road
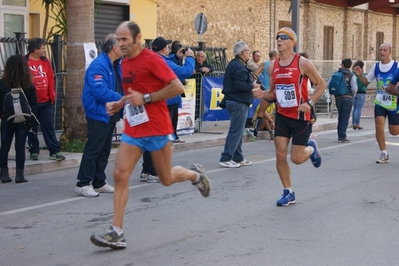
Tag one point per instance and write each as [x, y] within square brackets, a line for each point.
[347, 213]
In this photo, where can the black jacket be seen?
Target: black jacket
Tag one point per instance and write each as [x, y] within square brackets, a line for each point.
[30, 94]
[238, 82]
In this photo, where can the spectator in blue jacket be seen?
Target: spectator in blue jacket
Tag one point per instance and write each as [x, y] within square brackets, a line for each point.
[160, 45]
[102, 84]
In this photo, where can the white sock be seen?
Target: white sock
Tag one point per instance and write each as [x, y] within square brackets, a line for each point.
[289, 189]
[117, 230]
[384, 152]
[197, 179]
[310, 148]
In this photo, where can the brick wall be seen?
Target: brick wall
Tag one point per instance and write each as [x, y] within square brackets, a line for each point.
[256, 22]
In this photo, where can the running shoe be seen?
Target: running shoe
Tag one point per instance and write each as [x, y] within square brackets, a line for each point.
[287, 198]
[250, 134]
[315, 156]
[107, 188]
[34, 156]
[245, 162]
[230, 164]
[109, 239]
[384, 158]
[57, 157]
[204, 184]
[152, 179]
[86, 191]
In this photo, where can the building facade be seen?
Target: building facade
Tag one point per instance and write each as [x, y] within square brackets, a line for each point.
[329, 29]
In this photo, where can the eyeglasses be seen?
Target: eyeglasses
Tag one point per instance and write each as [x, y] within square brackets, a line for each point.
[283, 37]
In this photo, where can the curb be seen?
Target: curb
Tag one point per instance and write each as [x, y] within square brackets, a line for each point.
[73, 159]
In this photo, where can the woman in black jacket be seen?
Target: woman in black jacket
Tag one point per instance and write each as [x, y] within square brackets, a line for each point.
[16, 75]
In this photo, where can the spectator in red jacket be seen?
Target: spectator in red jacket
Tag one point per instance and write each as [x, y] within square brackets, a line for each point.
[43, 79]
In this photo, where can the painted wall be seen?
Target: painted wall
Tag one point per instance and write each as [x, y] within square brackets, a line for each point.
[144, 13]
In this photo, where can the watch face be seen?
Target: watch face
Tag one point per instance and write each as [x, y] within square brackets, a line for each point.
[147, 97]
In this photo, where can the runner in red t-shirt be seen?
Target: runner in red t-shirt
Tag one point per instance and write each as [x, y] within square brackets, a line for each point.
[147, 82]
[288, 85]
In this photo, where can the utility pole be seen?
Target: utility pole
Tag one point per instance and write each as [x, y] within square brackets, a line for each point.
[295, 5]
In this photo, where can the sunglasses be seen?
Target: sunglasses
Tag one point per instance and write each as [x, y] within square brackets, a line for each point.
[283, 37]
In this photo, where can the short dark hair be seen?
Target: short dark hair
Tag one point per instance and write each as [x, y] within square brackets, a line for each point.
[347, 62]
[134, 29]
[176, 45]
[109, 42]
[254, 52]
[35, 43]
[359, 63]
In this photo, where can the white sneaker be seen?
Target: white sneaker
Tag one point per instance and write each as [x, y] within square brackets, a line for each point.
[107, 188]
[143, 177]
[86, 191]
[245, 162]
[230, 164]
[152, 179]
[384, 158]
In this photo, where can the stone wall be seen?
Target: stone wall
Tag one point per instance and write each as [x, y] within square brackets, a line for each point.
[257, 21]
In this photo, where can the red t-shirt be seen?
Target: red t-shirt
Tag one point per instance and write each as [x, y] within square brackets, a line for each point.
[43, 79]
[148, 73]
[291, 89]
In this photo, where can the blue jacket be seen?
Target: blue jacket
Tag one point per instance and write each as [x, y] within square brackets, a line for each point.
[182, 73]
[99, 87]
[238, 82]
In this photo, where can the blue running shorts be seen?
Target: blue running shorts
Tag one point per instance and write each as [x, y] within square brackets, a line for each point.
[153, 143]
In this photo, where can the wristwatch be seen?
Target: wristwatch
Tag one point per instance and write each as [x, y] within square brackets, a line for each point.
[310, 102]
[147, 98]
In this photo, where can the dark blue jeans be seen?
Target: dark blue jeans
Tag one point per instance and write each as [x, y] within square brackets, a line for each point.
[96, 153]
[44, 113]
[238, 116]
[344, 106]
[8, 130]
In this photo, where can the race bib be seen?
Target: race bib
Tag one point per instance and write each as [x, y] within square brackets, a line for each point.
[136, 115]
[286, 95]
[386, 100]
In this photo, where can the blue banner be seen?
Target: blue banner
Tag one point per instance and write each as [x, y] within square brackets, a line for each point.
[212, 95]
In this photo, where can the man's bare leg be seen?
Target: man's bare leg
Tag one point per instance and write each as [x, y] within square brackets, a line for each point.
[283, 169]
[125, 161]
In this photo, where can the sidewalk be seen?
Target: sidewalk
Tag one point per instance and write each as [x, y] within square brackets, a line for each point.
[210, 136]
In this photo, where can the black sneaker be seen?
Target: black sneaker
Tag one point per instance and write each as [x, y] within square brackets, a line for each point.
[109, 239]
[204, 184]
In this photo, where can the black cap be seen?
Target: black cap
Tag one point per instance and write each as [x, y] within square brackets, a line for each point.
[159, 43]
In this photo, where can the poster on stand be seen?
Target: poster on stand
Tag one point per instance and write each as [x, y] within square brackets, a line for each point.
[185, 123]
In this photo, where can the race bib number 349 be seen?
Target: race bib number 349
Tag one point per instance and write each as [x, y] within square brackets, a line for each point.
[286, 95]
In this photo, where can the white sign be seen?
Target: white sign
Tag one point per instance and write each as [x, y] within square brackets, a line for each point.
[90, 52]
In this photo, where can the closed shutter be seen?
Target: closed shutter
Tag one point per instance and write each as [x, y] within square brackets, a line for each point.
[107, 19]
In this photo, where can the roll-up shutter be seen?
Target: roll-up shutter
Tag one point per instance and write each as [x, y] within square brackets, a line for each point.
[108, 18]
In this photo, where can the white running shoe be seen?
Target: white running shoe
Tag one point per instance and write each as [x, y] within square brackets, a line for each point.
[152, 179]
[245, 162]
[230, 164]
[107, 188]
[86, 191]
[384, 158]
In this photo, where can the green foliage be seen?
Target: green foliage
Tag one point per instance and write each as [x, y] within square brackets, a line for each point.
[75, 145]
